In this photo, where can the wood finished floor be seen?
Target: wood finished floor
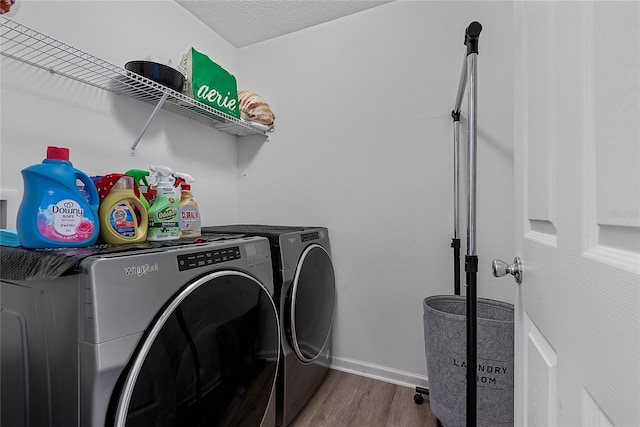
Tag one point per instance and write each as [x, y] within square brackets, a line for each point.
[351, 400]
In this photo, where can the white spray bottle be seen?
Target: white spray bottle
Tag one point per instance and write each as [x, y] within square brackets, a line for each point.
[188, 211]
[163, 213]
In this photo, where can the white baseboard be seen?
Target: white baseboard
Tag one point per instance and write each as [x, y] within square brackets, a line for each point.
[378, 372]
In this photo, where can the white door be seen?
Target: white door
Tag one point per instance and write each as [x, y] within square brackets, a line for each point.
[577, 172]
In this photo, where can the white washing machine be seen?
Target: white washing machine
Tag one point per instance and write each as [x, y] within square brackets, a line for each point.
[185, 335]
[304, 284]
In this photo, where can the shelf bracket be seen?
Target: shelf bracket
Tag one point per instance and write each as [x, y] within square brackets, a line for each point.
[146, 125]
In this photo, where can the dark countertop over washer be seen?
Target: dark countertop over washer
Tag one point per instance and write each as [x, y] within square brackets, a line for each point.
[19, 263]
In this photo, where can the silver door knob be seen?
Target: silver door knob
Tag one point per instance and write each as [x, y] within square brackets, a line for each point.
[501, 268]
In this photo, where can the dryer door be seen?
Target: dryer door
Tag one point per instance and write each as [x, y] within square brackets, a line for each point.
[209, 358]
[311, 303]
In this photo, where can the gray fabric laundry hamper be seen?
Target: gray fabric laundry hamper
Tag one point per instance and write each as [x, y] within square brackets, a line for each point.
[445, 345]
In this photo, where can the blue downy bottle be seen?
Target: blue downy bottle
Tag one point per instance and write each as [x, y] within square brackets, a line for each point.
[54, 213]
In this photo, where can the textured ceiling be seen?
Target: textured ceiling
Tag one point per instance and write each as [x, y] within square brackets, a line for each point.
[245, 22]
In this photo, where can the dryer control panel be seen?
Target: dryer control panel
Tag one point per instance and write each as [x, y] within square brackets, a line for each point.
[309, 236]
[207, 258]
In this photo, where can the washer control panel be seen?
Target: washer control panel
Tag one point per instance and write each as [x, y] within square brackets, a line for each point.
[207, 258]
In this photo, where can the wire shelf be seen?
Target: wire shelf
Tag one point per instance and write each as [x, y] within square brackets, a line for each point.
[32, 47]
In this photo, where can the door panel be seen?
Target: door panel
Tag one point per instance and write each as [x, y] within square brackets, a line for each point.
[591, 412]
[543, 384]
[614, 149]
[541, 117]
[577, 180]
[616, 125]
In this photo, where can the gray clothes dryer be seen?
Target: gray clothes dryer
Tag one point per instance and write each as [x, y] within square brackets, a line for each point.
[186, 335]
[304, 288]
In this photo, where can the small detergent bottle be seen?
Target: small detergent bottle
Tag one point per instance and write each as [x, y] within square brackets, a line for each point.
[54, 213]
[188, 211]
[163, 213]
[123, 217]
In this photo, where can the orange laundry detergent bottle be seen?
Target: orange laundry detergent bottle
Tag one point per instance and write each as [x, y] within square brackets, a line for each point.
[123, 217]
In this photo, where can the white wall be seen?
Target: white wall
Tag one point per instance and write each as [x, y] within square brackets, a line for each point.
[40, 109]
[363, 145]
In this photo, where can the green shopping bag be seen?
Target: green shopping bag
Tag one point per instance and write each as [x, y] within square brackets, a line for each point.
[209, 83]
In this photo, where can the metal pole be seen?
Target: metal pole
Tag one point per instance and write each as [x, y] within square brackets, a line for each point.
[471, 156]
[461, 86]
[455, 242]
[456, 176]
[471, 260]
[132, 150]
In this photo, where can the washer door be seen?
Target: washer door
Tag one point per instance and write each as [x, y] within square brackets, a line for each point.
[209, 358]
[311, 302]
